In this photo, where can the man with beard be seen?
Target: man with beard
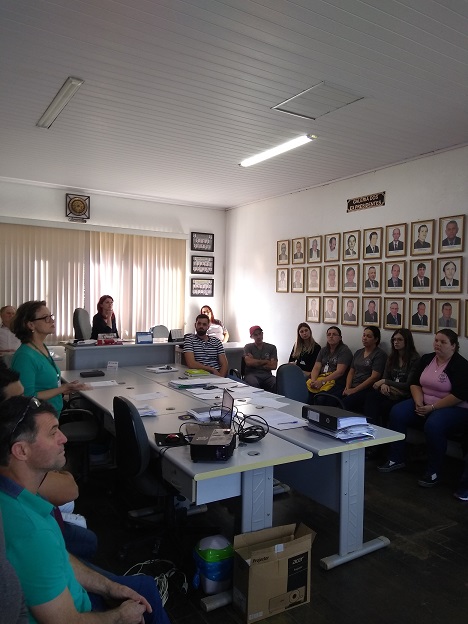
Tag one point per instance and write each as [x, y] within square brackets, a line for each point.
[205, 352]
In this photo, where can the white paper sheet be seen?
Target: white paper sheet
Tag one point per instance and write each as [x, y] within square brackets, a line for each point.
[102, 384]
[148, 396]
[280, 420]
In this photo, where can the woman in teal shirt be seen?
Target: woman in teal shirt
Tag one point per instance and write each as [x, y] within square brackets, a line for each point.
[38, 372]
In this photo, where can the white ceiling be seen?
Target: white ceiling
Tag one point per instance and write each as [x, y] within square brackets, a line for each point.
[177, 93]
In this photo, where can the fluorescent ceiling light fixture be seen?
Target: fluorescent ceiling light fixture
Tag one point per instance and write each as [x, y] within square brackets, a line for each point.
[65, 94]
[279, 149]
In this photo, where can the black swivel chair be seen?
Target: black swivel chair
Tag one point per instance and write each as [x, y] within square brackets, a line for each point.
[291, 383]
[81, 427]
[324, 398]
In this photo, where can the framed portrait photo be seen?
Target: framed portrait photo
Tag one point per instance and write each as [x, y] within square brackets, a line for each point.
[298, 249]
[420, 314]
[452, 234]
[372, 243]
[372, 277]
[202, 287]
[313, 305]
[314, 273]
[350, 311]
[331, 278]
[420, 276]
[395, 277]
[314, 249]
[394, 313]
[395, 240]
[203, 264]
[202, 241]
[282, 280]
[351, 246]
[282, 252]
[422, 237]
[330, 310]
[447, 314]
[370, 311]
[350, 277]
[332, 247]
[466, 319]
[449, 274]
[297, 280]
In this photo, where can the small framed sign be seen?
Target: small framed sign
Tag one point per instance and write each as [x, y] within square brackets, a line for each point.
[201, 287]
[203, 264]
[202, 241]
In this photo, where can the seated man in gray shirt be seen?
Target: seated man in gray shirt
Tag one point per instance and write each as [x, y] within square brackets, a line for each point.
[260, 359]
[203, 351]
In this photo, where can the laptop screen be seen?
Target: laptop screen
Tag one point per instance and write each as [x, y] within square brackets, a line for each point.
[227, 409]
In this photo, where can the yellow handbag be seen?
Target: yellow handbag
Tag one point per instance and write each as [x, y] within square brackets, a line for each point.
[325, 387]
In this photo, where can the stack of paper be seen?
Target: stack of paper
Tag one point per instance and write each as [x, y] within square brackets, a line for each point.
[346, 434]
[146, 410]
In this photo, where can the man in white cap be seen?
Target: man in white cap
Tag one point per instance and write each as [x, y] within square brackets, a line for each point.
[260, 359]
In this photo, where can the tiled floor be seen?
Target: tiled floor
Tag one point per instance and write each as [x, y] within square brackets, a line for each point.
[421, 577]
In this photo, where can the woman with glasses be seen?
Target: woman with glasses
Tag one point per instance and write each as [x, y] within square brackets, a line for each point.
[331, 365]
[394, 385]
[38, 372]
[104, 320]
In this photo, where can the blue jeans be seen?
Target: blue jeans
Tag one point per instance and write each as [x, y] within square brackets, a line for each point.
[141, 583]
[79, 541]
[436, 426]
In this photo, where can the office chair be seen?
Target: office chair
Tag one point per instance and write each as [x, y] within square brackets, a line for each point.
[325, 398]
[160, 331]
[234, 372]
[291, 383]
[80, 427]
[81, 324]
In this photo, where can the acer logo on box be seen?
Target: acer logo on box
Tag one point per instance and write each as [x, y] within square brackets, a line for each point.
[272, 571]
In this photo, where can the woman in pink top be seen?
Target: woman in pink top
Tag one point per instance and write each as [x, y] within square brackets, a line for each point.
[439, 405]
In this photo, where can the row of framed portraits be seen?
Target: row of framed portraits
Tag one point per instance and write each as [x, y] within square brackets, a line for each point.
[442, 275]
[395, 240]
[423, 315]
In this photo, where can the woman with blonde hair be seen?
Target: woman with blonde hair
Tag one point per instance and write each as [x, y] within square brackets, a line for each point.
[305, 349]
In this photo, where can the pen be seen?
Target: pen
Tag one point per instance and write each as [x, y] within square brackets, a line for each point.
[290, 422]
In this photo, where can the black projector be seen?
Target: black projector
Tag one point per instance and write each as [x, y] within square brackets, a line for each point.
[212, 443]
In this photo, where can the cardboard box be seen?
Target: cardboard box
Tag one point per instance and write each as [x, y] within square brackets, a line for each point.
[272, 570]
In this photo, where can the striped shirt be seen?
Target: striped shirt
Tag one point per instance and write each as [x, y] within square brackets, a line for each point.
[206, 352]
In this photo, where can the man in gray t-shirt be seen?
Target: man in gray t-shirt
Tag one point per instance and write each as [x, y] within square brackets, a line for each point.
[260, 359]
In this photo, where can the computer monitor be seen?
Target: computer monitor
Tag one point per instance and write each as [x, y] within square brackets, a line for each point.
[176, 335]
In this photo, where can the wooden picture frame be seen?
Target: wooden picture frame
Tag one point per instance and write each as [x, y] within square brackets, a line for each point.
[420, 318]
[420, 276]
[395, 272]
[331, 247]
[202, 241]
[282, 252]
[350, 278]
[313, 308]
[314, 249]
[395, 240]
[449, 271]
[422, 237]
[351, 246]
[330, 310]
[282, 280]
[371, 284]
[203, 265]
[466, 319]
[201, 287]
[443, 317]
[452, 234]
[298, 250]
[350, 313]
[370, 315]
[330, 285]
[314, 278]
[297, 280]
[393, 307]
[372, 240]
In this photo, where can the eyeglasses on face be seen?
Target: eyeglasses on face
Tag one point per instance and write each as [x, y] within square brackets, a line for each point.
[34, 403]
[48, 318]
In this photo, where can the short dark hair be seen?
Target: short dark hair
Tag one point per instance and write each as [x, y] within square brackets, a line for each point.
[7, 377]
[24, 315]
[451, 335]
[18, 421]
[375, 330]
[202, 316]
[421, 265]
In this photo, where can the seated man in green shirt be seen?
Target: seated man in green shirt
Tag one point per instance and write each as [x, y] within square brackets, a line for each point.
[57, 587]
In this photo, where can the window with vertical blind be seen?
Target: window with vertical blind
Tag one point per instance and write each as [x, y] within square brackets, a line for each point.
[72, 268]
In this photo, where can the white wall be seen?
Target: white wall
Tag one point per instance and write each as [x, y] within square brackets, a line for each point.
[430, 187]
[41, 205]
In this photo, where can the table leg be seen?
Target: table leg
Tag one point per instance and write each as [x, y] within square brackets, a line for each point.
[257, 499]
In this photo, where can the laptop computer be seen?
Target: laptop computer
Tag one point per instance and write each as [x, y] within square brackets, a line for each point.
[220, 416]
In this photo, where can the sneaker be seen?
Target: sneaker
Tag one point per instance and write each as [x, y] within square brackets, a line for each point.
[429, 480]
[390, 466]
[461, 495]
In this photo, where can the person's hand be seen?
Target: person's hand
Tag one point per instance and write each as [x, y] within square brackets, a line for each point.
[423, 410]
[131, 612]
[316, 384]
[116, 591]
[74, 386]
[377, 384]
[384, 389]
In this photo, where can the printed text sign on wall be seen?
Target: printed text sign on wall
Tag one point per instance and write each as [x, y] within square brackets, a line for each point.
[367, 201]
